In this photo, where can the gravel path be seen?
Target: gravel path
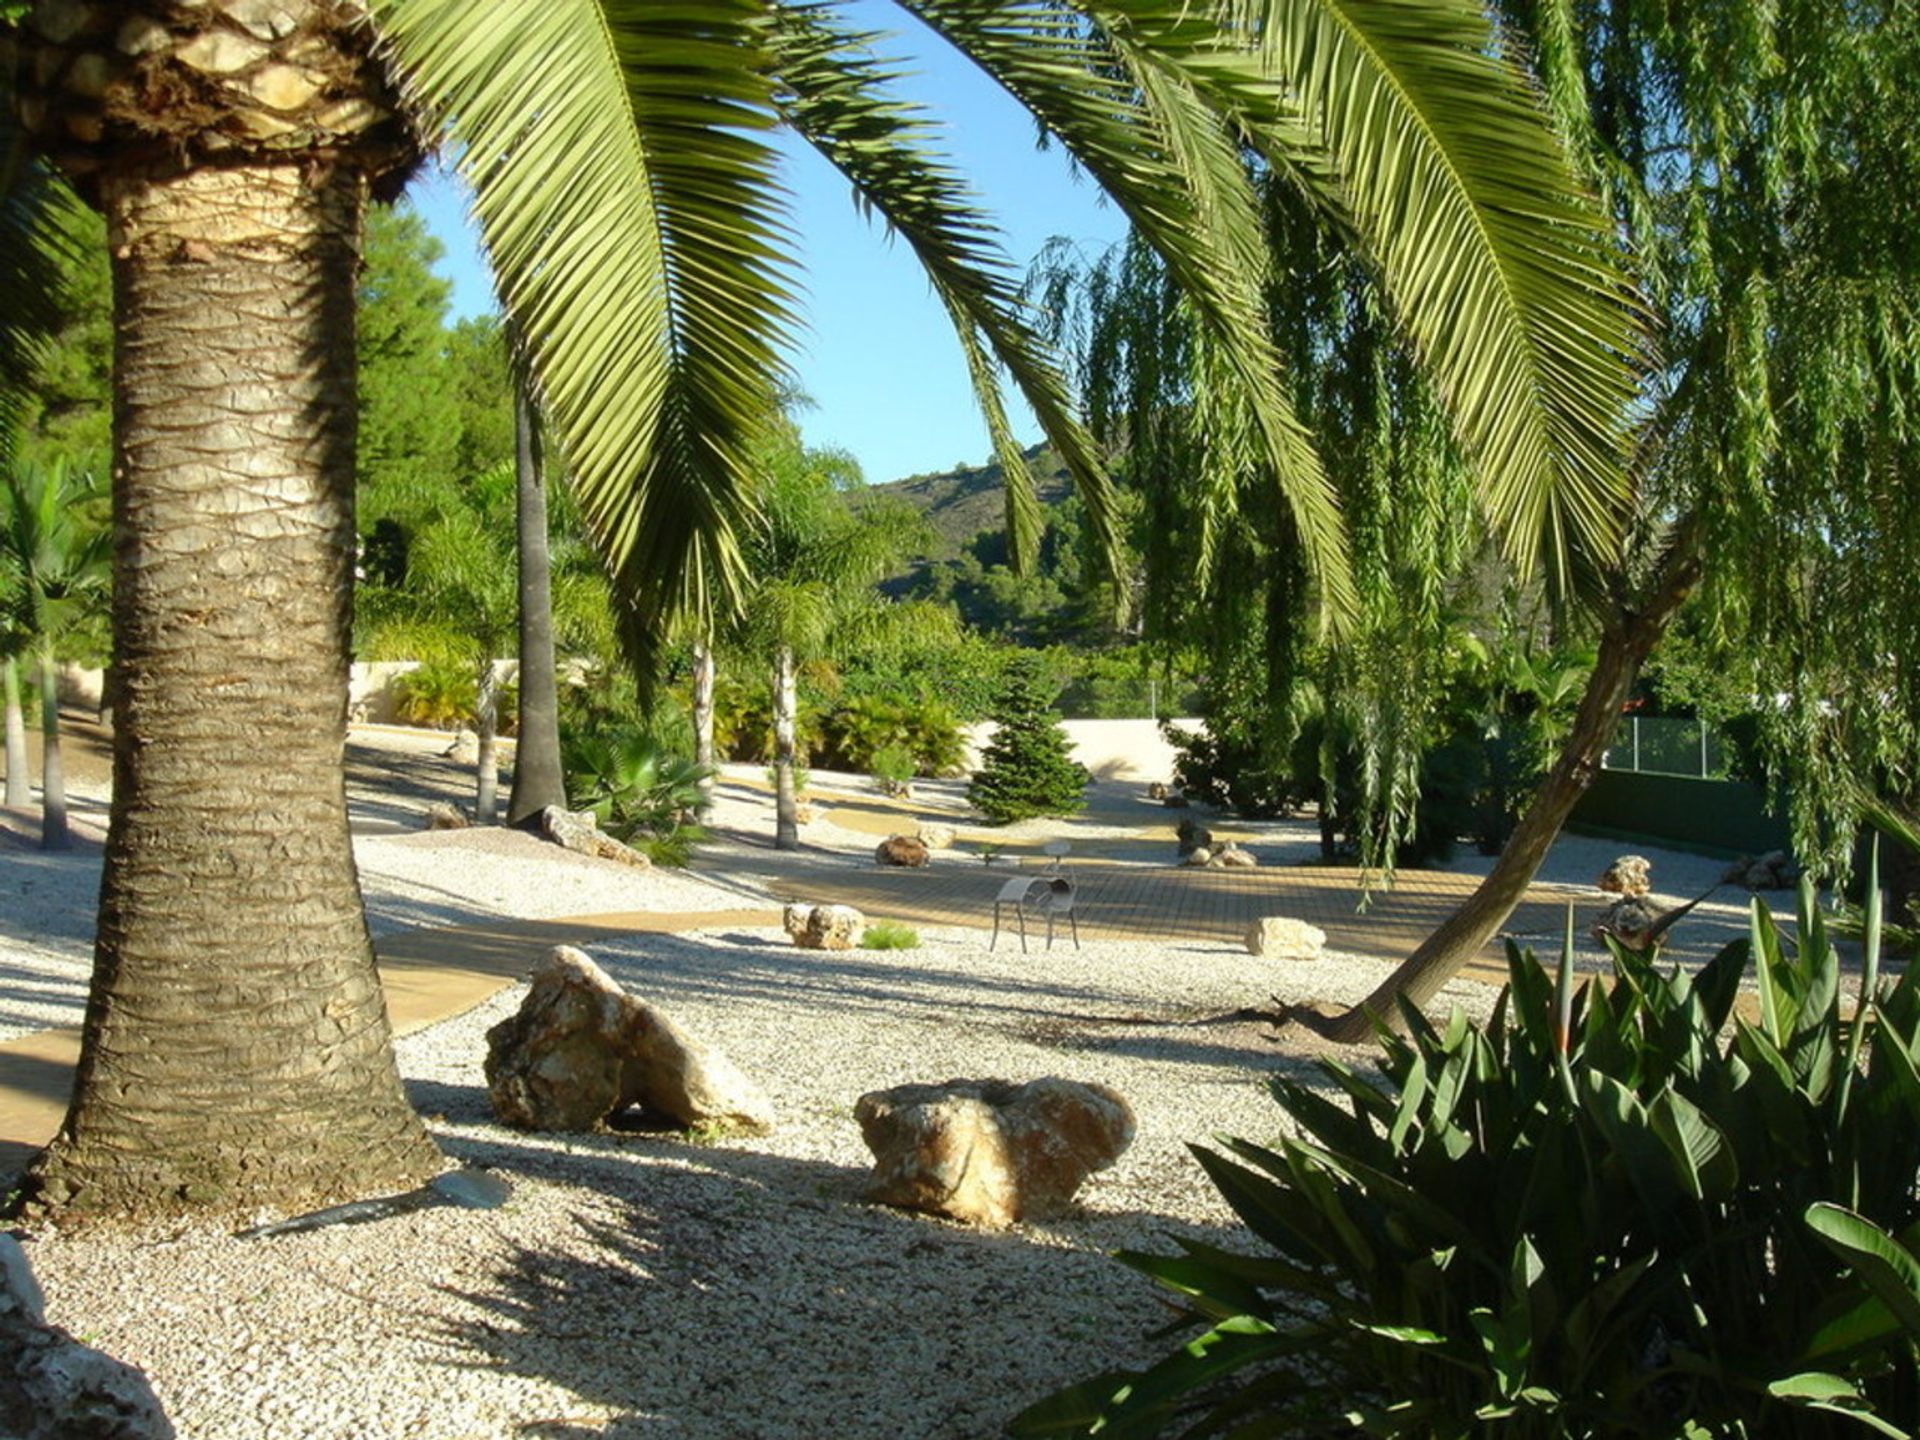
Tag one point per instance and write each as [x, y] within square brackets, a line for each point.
[639, 1284]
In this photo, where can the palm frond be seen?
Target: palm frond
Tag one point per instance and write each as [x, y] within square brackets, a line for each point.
[624, 185]
[39, 228]
[1500, 264]
[1132, 116]
[835, 96]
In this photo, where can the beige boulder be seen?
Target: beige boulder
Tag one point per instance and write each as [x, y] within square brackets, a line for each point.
[444, 815]
[581, 1050]
[990, 1152]
[1199, 855]
[1280, 938]
[909, 851]
[1231, 857]
[936, 837]
[578, 831]
[1628, 875]
[823, 927]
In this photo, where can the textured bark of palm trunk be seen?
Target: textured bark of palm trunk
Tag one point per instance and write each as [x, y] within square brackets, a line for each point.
[1624, 647]
[786, 824]
[538, 778]
[237, 1050]
[19, 787]
[703, 723]
[486, 790]
[53, 775]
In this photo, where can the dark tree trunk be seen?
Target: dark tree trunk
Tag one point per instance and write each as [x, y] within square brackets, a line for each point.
[236, 1050]
[1626, 642]
[703, 722]
[53, 779]
[786, 825]
[19, 786]
[538, 779]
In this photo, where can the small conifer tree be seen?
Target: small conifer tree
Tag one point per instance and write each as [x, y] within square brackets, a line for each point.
[1026, 771]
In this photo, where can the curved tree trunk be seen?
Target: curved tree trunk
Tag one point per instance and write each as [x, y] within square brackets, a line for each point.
[236, 1050]
[19, 793]
[786, 825]
[703, 723]
[1624, 646]
[486, 719]
[53, 779]
[538, 779]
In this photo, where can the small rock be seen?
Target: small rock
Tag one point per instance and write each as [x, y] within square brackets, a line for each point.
[803, 812]
[442, 815]
[823, 927]
[1232, 857]
[580, 1050]
[1736, 872]
[1193, 836]
[1760, 876]
[578, 831]
[1629, 920]
[1628, 875]
[936, 837]
[1157, 791]
[1200, 855]
[989, 1152]
[54, 1388]
[1285, 939]
[465, 749]
[907, 850]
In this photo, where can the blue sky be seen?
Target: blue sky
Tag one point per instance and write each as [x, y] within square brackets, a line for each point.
[878, 357]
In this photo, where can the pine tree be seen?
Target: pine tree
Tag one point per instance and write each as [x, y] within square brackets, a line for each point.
[1026, 771]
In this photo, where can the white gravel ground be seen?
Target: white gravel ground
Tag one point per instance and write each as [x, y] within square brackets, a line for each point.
[639, 1284]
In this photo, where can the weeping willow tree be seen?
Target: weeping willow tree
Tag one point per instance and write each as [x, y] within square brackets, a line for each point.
[1763, 165]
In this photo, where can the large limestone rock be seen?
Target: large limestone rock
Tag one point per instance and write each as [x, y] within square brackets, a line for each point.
[54, 1388]
[578, 831]
[823, 927]
[581, 1050]
[936, 837]
[443, 815]
[905, 850]
[1231, 857]
[989, 1152]
[1630, 920]
[1278, 938]
[1628, 875]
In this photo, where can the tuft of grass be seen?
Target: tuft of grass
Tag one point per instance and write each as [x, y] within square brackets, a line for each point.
[889, 936]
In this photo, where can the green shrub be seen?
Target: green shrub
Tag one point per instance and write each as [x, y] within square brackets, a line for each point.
[891, 767]
[887, 935]
[441, 693]
[639, 793]
[1608, 1214]
[1026, 770]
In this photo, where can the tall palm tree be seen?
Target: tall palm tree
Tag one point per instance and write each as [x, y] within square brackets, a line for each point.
[236, 1050]
[53, 577]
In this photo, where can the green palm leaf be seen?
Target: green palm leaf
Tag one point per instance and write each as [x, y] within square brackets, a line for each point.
[625, 189]
[38, 216]
[835, 97]
[1500, 264]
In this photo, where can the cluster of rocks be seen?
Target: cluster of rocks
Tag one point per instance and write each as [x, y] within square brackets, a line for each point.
[54, 1388]
[917, 849]
[581, 1050]
[823, 927]
[1775, 870]
[1631, 918]
[1198, 847]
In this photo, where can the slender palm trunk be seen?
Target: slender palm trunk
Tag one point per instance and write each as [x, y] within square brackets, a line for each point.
[538, 780]
[486, 719]
[19, 787]
[53, 780]
[703, 722]
[236, 1048]
[1624, 646]
[786, 829]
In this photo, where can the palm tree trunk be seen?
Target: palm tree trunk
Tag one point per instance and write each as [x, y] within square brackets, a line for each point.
[538, 779]
[53, 780]
[1624, 646]
[486, 719]
[703, 723]
[236, 1050]
[19, 786]
[786, 825]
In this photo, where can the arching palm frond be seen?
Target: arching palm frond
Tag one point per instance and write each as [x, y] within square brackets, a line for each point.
[623, 182]
[1500, 265]
[835, 96]
[1166, 162]
[38, 220]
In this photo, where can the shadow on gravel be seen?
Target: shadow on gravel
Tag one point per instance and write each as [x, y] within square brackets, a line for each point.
[722, 1292]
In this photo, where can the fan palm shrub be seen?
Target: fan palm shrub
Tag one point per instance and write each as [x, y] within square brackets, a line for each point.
[1634, 1208]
